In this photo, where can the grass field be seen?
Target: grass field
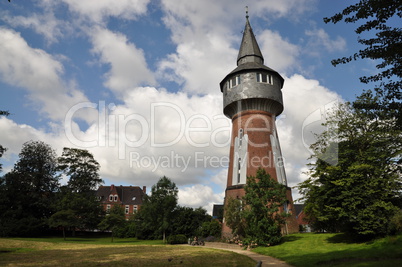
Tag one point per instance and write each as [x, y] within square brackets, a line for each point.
[310, 249]
[101, 252]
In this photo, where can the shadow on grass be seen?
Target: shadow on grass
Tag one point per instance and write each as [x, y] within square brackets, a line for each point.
[343, 238]
[291, 238]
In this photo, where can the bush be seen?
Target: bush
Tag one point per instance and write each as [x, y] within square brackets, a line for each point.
[395, 224]
[177, 239]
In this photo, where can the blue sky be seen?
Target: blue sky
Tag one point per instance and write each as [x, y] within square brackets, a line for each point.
[136, 82]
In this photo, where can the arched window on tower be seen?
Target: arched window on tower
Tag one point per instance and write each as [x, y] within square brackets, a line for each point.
[240, 158]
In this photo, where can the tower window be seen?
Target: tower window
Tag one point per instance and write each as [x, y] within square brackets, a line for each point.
[234, 81]
[264, 78]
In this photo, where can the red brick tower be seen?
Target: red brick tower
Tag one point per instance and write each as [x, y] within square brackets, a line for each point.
[252, 98]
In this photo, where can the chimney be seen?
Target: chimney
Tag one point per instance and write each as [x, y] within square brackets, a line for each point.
[144, 189]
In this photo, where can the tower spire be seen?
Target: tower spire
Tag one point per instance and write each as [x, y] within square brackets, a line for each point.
[249, 50]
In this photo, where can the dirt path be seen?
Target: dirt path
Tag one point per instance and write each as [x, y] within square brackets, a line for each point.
[266, 260]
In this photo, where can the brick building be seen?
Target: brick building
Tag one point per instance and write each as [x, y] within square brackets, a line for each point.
[252, 99]
[128, 197]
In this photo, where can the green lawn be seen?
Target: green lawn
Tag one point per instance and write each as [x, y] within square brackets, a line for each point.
[89, 251]
[311, 249]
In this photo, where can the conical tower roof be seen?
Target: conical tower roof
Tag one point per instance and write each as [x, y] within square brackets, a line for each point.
[249, 50]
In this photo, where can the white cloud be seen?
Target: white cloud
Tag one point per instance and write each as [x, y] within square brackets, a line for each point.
[128, 67]
[207, 42]
[319, 38]
[199, 196]
[301, 98]
[98, 10]
[278, 53]
[147, 119]
[45, 24]
[37, 72]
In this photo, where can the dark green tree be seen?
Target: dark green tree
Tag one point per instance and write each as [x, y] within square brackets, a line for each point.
[362, 191]
[187, 221]
[379, 30]
[30, 190]
[81, 168]
[211, 228]
[262, 212]
[157, 211]
[79, 194]
[64, 219]
[114, 220]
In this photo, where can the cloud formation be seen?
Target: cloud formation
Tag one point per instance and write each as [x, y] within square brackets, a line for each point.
[164, 122]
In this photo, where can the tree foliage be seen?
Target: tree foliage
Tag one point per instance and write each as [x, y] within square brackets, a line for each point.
[157, 210]
[29, 190]
[258, 217]
[188, 221]
[234, 217]
[64, 219]
[81, 168]
[263, 199]
[79, 194]
[114, 220]
[380, 21]
[362, 192]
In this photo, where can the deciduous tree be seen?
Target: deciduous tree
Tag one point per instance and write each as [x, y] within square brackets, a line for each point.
[78, 195]
[362, 191]
[262, 209]
[379, 30]
[157, 210]
[234, 217]
[114, 220]
[30, 190]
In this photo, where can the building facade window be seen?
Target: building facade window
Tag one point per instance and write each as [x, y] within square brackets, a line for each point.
[108, 208]
[127, 209]
[111, 198]
[135, 208]
[115, 198]
[234, 81]
[264, 78]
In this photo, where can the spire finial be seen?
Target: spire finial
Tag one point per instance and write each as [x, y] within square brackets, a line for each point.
[246, 12]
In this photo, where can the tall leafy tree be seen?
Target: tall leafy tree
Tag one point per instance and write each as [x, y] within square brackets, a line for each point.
[156, 213]
[81, 168]
[362, 192]
[262, 209]
[30, 189]
[379, 30]
[78, 195]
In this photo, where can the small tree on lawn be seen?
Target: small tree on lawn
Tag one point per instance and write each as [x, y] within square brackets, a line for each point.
[64, 219]
[264, 219]
[113, 220]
